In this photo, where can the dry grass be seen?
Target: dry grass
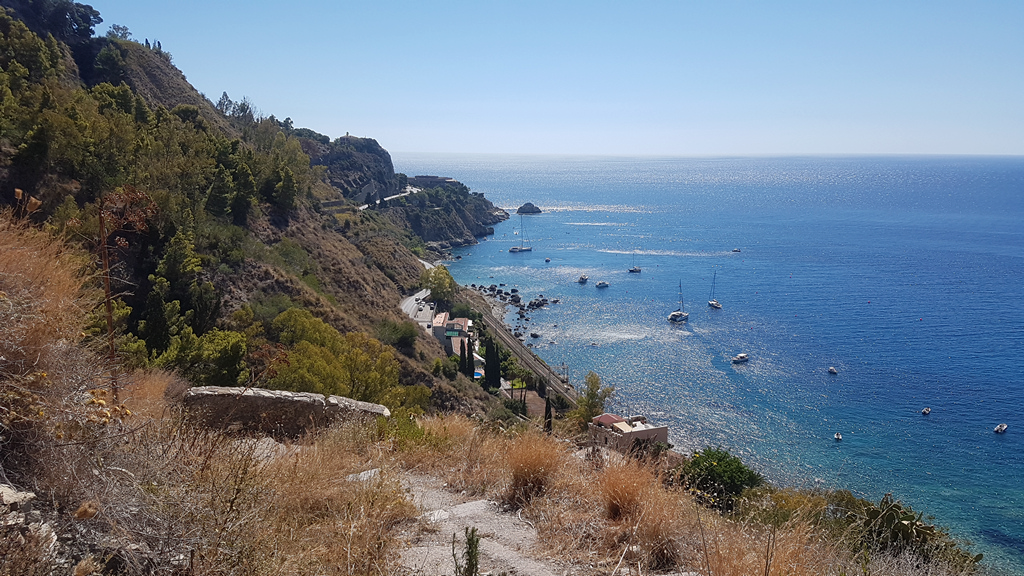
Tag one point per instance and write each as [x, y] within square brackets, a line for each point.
[150, 394]
[454, 447]
[43, 299]
[533, 459]
[134, 483]
[624, 487]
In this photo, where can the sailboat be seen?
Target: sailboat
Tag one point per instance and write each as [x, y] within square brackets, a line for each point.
[711, 301]
[522, 239]
[635, 269]
[679, 315]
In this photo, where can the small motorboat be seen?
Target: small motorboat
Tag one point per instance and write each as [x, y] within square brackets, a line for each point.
[838, 437]
[583, 279]
[1001, 428]
[926, 411]
[740, 358]
[735, 249]
[547, 259]
[832, 370]
[602, 284]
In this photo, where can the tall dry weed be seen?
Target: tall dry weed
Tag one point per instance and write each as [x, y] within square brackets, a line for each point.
[533, 460]
[624, 486]
[151, 393]
[43, 297]
[454, 447]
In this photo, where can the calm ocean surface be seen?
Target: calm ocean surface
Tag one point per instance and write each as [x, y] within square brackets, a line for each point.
[905, 273]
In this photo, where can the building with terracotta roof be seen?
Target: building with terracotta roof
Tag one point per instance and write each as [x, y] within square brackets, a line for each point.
[621, 434]
[450, 332]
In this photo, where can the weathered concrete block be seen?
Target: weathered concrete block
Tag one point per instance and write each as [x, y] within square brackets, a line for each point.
[277, 412]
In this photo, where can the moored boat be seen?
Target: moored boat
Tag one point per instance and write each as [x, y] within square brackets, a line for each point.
[838, 437]
[679, 315]
[711, 299]
[602, 284]
[522, 240]
[583, 279]
[740, 358]
[832, 370]
[926, 411]
[1001, 428]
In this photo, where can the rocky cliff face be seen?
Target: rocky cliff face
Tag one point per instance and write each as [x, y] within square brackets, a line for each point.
[359, 167]
[445, 219]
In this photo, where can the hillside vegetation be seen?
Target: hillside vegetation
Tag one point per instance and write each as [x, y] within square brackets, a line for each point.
[209, 219]
[152, 240]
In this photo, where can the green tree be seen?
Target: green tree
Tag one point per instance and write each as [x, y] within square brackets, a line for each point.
[245, 194]
[492, 365]
[214, 359]
[180, 264]
[286, 190]
[719, 476]
[440, 283]
[547, 415]
[592, 402]
[462, 356]
[220, 191]
[119, 32]
[325, 361]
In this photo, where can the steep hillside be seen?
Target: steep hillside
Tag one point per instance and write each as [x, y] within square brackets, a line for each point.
[233, 258]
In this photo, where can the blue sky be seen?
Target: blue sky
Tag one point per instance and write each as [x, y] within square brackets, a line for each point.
[655, 78]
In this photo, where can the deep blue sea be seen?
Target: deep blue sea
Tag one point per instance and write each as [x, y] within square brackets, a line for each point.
[904, 273]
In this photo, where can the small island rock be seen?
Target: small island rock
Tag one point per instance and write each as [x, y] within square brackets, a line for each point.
[528, 208]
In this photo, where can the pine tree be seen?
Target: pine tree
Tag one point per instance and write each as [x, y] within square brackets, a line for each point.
[220, 191]
[245, 192]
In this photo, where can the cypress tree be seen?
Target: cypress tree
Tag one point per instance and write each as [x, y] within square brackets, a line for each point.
[492, 364]
[462, 357]
[547, 415]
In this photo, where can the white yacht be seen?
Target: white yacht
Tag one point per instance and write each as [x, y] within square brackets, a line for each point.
[679, 315]
[740, 358]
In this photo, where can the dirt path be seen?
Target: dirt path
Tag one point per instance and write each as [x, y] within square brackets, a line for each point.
[507, 543]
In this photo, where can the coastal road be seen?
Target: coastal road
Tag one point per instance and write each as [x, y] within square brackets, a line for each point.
[525, 356]
[417, 308]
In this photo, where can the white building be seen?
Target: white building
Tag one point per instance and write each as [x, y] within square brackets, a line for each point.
[613, 431]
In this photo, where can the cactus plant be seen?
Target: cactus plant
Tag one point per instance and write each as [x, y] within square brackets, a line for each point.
[893, 525]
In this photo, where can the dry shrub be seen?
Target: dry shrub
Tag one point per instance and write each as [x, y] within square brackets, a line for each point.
[623, 487]
[43, 300]
[320, 518]
[466, 456]
[658, 528]
[449, 431]
[149, 393]
[533, 459]
[24, 554]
